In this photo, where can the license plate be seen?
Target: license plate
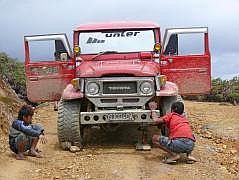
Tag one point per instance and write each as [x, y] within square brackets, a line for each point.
[120, 116]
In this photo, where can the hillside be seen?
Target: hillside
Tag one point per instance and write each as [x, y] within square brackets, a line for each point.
[12, 72]
[9, 104]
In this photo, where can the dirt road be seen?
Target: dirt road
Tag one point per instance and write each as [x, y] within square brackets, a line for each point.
[112, 155]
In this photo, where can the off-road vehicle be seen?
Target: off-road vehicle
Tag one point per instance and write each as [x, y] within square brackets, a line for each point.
[113, 72]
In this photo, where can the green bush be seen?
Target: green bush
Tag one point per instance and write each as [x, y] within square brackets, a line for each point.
[222, 91]
[12, 71]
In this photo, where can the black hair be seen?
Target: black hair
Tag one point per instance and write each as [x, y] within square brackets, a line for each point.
[177, 107]
[25, 110]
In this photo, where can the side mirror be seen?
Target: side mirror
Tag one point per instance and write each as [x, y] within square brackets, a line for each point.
[63, 57]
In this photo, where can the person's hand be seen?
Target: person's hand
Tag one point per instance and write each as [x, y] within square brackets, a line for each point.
[154, 116]
[153, 105]
[42, 139]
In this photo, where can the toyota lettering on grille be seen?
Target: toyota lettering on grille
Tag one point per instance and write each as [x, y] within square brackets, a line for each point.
[119, 88]
[125, 87]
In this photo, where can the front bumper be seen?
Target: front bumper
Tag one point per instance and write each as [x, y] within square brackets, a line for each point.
[135, 116]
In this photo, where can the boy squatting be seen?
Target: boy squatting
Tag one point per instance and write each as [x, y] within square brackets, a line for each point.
[181, 138]
[24, 136]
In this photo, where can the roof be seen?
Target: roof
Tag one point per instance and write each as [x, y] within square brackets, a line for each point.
[117, 25]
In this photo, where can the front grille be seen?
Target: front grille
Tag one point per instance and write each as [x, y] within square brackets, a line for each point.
[108, 100]
[125, 87]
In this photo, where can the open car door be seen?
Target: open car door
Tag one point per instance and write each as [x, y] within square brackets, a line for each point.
[185, 60]
[49, 66]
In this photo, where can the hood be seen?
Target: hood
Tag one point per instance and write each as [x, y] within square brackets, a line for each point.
[117, 67]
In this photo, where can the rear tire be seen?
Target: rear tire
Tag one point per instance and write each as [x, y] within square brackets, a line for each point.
[68, 125]
[166, 103]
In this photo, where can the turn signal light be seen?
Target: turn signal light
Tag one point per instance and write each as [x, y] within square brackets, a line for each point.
[77, 50]
[157, 47]
[76, 83]
[163, 80]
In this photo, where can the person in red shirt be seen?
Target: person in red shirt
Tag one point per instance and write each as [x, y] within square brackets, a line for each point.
[180, 139]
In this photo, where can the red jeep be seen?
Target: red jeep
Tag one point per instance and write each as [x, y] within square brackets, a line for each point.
[114, 71]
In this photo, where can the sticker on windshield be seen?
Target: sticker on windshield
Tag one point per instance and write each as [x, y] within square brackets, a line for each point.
[94, 40]
[121, 34]
[116, 40]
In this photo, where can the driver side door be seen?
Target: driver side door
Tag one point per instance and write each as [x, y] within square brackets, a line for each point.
[49, 66]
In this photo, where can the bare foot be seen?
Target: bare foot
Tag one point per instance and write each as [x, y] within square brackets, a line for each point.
[34, 153]
[38, 150]
[20, 156]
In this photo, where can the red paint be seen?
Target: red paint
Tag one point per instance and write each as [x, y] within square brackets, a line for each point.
[135, 67]
[71, 93]
[170, 89]
[117, 25]
[146, 55]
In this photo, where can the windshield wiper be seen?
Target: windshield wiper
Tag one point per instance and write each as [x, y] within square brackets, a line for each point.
[104, 52]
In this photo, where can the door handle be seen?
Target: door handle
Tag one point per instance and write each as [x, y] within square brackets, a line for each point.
[34, 78]
[202, 70]
[170, 60]
[166, 61]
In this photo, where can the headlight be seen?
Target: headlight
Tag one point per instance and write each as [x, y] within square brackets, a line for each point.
[146, 88]
[92, 88]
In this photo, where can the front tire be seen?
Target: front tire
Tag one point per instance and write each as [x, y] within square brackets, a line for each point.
[69, 129]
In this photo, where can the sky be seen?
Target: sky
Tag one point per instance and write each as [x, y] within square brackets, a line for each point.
[28, 17]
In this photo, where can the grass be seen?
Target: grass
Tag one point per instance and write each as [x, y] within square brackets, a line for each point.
[7, 100]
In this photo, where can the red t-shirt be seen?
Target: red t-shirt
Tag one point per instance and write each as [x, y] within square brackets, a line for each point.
[178, 126]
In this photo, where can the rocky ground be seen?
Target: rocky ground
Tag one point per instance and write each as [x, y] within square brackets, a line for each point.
[113, 156]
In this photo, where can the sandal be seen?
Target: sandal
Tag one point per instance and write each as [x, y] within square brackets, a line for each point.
[173, 159]
[191, 159]
[170, 161]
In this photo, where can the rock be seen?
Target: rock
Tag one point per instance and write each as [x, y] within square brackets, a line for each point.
[38, 170]
[69, 167]
[224, 146]
[218, 141]
[62, 168]
[74, 149]
[219, 150]
[73, 176]
[81, 178]
[89, 155]
[57, 177]
[233, 151]
[223, 168]
[207, 135]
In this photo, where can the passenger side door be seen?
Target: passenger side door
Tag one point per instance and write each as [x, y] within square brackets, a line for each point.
[186, 61]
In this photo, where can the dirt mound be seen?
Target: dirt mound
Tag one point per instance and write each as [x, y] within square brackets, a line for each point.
[9, 104]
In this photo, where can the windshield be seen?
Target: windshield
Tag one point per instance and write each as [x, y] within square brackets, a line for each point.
[115, 40]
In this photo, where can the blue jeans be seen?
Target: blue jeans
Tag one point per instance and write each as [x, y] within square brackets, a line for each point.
[179, 145]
